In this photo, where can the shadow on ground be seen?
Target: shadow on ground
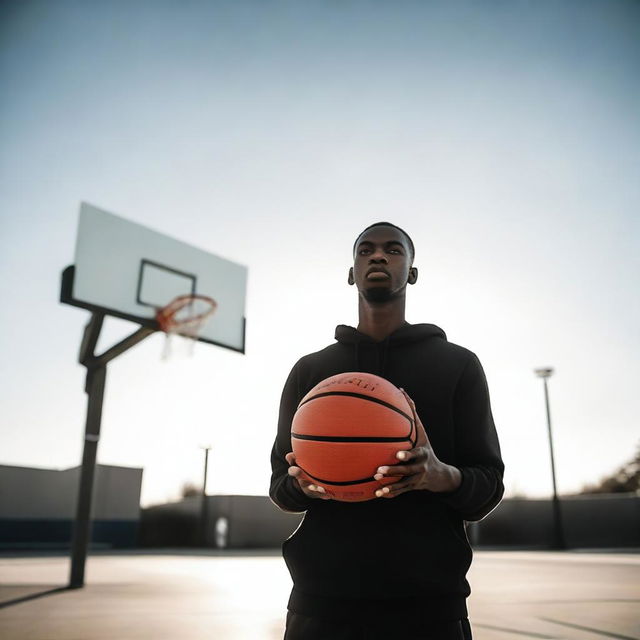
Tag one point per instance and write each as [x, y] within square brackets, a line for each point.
[24, 593]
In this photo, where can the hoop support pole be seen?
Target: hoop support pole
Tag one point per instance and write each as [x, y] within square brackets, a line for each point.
[94, 387]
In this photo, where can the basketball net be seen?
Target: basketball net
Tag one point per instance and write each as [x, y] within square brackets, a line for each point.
[185, 315]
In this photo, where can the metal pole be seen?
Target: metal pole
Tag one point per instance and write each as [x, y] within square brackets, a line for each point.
[557, 514]
[82, 527]
[203, 506]
[94, 387]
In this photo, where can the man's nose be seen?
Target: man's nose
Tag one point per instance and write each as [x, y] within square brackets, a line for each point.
[378, 256]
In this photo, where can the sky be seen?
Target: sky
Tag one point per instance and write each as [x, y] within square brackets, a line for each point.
[503, 136]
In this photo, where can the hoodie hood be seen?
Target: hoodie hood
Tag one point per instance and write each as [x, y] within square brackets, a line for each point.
[405, 334]
[372, 356]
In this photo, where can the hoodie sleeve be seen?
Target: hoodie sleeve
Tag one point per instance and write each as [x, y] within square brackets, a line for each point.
[477, 447]
[284, 490]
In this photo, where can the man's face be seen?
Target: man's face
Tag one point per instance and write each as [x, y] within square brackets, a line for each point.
[382, 264]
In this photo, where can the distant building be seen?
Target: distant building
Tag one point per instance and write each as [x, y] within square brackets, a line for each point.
[37, 506]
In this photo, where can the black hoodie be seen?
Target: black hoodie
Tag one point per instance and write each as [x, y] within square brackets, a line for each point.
[409, 553]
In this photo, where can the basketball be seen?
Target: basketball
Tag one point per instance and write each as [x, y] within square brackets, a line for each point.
[345, 428]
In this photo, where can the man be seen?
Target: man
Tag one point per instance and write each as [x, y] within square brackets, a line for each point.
[394, 566]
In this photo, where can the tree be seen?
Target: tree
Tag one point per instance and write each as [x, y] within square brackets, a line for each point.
[625, 478]
[189, 489]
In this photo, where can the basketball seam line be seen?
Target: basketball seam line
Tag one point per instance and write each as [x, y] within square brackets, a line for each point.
[363, 396]
[300, 436]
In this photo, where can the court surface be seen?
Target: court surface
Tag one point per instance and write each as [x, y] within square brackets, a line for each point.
[242, 596]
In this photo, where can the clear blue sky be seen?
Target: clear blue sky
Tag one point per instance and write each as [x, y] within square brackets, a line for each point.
[503, 136]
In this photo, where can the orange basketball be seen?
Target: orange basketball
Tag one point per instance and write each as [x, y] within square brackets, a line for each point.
[345, 428]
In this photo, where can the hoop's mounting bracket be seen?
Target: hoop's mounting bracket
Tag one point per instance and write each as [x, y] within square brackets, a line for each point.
[87, 356]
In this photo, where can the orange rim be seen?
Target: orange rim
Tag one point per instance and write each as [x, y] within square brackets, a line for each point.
[166, 316]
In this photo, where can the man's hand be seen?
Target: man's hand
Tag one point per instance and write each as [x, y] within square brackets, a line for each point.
[308, 488]
[421, 468]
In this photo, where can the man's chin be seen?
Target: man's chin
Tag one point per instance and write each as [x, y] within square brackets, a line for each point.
[378, 295]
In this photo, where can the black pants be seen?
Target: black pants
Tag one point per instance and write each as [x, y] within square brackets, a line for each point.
[300, 627]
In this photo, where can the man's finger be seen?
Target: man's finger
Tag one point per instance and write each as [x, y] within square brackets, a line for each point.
[306, 484]
[413, 454]
[290, 457]
[314, 490]
[420, 453]
[403, 470]
[300, 475]
[392, 490]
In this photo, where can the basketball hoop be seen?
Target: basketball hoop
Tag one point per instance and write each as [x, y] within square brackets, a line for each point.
[185, 315]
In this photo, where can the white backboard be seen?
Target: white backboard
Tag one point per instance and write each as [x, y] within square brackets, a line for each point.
[127, 270]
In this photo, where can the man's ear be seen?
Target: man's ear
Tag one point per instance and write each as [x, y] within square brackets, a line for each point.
[413, 275]
[350, 279]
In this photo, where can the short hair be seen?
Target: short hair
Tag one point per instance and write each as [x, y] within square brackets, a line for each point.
[388, 224]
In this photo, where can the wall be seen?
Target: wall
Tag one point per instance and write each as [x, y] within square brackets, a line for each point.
[37, 506]
[255, 522]
[595, 521]
[252, 522]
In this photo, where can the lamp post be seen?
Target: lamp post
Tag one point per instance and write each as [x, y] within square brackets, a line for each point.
[203, 504]
[545, 373]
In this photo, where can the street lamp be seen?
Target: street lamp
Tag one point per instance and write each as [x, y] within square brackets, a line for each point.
[203, 504]
[544, 373]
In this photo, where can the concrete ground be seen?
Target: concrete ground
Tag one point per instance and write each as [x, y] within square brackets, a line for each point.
[178, 595]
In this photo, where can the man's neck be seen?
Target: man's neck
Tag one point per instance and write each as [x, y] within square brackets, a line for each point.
[380, 320]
